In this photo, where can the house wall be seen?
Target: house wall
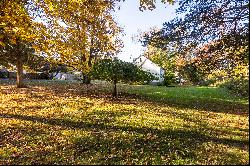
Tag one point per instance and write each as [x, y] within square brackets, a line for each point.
[148, 65]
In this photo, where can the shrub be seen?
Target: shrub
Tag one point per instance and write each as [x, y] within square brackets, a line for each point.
[3, 74]
[238, 86]
[207, 82]
[168, 78]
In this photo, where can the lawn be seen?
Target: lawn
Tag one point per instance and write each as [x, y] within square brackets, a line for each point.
[69, 123]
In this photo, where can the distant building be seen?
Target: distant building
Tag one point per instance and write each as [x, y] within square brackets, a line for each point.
[3, 69]
[66, 76]
[147, 65]
[4, 73]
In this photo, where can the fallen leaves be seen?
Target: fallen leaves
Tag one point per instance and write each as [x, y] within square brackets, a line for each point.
[47, 124]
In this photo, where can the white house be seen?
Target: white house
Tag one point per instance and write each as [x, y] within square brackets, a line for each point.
[148, 65]
[64, 76]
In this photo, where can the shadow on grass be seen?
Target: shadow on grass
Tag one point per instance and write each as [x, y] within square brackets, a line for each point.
[25, 145]
[211, 105]
[100, 125]
[94, 91]
[144, 143]
[106, 143]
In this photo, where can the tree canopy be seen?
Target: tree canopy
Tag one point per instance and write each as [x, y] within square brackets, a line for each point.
[118, 71]
[65, 27]
[73, 32]
[59, 29]
[211, 34]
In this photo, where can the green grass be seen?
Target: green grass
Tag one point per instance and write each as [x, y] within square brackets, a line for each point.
[185, 93]
[54, 122]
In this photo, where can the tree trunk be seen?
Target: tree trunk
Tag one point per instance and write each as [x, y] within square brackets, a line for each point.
[19, 80]
[85, 79]
[115, 89]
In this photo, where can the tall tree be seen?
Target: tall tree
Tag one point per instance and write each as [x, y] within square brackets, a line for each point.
[62, 29]
[17, 54]
[214, 32]
[16, 34]
[57, 28]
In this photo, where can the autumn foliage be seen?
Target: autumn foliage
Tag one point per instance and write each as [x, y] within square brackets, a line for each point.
[118, 71]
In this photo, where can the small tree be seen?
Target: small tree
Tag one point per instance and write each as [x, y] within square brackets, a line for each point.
[17, 53]
[118, 71]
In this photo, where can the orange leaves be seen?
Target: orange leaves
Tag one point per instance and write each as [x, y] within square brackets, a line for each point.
[180, 62]
[64, 28]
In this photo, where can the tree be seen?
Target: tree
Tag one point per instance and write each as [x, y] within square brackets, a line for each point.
[67, 28]
[213, 33]
[15, 40]
[103, 42]
[70, 31]
[163, 58]
[150, 4]
[16, 54]
[118, 71]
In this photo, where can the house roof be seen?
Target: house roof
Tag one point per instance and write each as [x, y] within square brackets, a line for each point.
[146, 64]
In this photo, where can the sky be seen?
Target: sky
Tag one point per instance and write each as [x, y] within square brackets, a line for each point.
[131, 19]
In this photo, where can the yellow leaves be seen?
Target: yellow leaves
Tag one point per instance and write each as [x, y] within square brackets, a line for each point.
[15, 29]
[59, 120]
[76, 1]
[13, 41]
[66, 132]
[50, 6]
[16, 22]
[2, 44]
[2, 24]
[81, 19]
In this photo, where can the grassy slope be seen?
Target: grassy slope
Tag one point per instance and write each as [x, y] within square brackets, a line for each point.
[61, 123]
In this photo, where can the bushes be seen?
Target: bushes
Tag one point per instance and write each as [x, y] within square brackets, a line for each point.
[3, 74]
[168, 78]
[207, 82]
[37, 76]
[192, 74]
[238, 86]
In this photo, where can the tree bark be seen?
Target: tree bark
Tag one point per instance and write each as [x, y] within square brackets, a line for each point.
[19, 80]
[115, 89]
[85, 78]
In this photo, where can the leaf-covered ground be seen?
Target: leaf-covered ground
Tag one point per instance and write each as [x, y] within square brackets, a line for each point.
[63, 123]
